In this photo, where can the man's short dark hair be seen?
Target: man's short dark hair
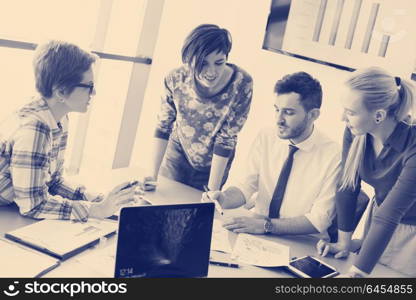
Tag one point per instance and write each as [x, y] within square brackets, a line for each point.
[202, 41]
[305, 85]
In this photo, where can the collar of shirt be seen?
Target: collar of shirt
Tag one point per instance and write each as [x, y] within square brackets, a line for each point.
[308, 144]
[397, 140]
[48, 116]
[41, 110]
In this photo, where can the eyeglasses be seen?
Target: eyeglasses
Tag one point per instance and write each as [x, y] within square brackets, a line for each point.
[88, 86]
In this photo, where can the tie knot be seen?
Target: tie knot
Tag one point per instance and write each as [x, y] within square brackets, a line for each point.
[292, 149]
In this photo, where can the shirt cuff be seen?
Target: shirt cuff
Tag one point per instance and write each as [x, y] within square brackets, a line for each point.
[221, 151]
[79, 210]
[80, 194]
[162, 134]
[93, 197]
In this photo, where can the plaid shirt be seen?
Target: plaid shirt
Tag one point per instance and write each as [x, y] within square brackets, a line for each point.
[32, 146]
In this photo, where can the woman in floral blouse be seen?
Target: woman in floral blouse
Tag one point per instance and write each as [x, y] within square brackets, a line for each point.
[205, 105]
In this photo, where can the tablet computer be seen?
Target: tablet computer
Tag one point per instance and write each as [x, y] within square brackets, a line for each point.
[311, 267]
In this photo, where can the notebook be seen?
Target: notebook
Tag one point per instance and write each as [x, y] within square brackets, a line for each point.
[19, 261]
[164, 240]
[62, 238]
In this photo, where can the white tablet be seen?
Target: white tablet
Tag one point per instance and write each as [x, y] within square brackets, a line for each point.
[311, 267]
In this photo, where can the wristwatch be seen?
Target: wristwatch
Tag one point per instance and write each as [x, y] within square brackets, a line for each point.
[268, 226]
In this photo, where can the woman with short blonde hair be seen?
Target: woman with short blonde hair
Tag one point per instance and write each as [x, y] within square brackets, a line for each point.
[33, 141]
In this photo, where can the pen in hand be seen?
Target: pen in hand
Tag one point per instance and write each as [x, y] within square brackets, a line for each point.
[217, 205]
[130, 184]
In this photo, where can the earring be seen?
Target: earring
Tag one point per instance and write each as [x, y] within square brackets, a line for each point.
[377, 120]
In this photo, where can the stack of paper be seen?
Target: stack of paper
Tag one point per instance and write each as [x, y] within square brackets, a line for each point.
[253, 250]
[100, 260]
[220, 237]
[20, 261]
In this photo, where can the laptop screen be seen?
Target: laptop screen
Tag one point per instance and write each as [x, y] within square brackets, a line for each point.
[164, 240]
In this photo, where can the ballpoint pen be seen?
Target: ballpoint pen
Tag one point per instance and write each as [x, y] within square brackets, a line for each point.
[130, 184]
[224, 264]
[217, 205]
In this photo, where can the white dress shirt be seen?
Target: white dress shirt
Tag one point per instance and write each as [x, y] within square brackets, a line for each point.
[311, 187]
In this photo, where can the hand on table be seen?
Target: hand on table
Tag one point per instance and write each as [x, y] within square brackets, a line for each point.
[339, 250]
[354, 272]
[121, 195]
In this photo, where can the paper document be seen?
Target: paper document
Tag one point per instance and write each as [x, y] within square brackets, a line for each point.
[19, 261]
[100, 259]
[61, 238]
[257, 251]
[220, 237]
[237, 212]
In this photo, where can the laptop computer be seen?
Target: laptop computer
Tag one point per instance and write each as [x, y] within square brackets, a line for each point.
[164, 240]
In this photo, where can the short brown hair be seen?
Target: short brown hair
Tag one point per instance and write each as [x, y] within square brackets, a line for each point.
[59, 64]
[202, 41]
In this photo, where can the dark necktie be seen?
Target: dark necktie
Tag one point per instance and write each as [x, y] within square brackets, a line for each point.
[279, 190]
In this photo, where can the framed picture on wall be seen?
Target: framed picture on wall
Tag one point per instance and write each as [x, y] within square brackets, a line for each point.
[346, 34]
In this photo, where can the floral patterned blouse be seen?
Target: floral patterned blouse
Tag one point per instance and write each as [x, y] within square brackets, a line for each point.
[204, 125]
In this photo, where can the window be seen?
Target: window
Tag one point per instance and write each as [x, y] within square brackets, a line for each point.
[113, 29]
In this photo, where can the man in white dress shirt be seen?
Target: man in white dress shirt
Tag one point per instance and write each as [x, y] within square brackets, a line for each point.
[307, 204]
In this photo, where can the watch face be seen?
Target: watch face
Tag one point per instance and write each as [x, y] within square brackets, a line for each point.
[268, 226]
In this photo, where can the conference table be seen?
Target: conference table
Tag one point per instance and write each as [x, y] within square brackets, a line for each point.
[98, 261]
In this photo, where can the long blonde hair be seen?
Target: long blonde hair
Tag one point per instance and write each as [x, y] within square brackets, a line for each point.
[379, 90]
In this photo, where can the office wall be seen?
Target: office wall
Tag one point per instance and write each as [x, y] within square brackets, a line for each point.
[246, 20]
